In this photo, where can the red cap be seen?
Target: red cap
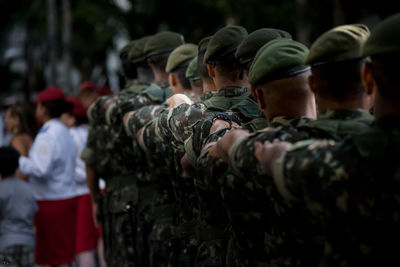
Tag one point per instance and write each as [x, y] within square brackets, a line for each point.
[78, 110]
[104, 91]
[51, 93]
[88, 86]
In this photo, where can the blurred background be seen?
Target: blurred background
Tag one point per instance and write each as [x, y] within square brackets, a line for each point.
[66, 42]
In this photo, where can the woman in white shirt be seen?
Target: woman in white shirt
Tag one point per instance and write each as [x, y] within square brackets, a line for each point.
[51, 169]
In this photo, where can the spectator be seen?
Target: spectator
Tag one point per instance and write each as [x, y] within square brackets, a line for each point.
[17, 208]
[51, 167]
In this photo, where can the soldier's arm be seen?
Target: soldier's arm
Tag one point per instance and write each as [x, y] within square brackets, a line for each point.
[225, 144]
[267, 153]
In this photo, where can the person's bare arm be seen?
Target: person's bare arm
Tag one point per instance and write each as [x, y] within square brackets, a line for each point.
[92, 180]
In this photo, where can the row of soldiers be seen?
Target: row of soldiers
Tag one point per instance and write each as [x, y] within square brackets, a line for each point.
[251, 150]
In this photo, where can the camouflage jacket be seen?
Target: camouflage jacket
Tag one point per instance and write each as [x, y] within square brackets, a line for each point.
[338, 124]
[352, 188]
[96, 150]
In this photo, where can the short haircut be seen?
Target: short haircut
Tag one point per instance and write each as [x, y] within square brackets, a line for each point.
[158, 62]
[229, 67]
[128, 68]
[385, 73]
[339, 80]
[201, 67]
[9, 161]
[57, 107]
[180, 72]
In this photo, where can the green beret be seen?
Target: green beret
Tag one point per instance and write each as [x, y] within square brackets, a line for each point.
[279, 58]
[136, 53]
[181, 56]
[203, 43]
[224, 41]
[191, 71]
[385, 37]
[163, 42]
[340, 43]
[125, 50]
[255, 40]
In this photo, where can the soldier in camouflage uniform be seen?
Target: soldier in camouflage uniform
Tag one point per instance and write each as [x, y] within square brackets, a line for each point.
[109, 148]
[157, 51]
[254, 240]
[352, 187]
[352, 38]
[158, 156]
[343, 102]
[233, 89]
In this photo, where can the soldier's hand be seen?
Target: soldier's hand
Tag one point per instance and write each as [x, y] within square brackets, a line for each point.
[177, 100]
[267, 153]
[221, 124]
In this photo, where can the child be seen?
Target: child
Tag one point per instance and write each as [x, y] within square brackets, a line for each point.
[17, 208]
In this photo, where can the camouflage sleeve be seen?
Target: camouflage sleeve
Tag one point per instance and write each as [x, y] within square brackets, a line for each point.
[311, 169]
[88, 154]
[182, 118]
[142, 116]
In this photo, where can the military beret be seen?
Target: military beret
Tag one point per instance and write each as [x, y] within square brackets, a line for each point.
[163, 42]
[181, 56]
[203, 43]
[340, 43]
[278, 59]
[255, 40]
[385, 38]
[224, 41]
[125, 50]
[191, 71]
[136, 52]
[49, 94]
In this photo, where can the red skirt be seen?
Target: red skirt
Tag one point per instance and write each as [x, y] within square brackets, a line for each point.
[86, 232]
[55, 224]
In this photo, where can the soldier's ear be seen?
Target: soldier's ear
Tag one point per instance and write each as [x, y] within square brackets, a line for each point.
[367, 78]
[260, 97]
[311, 83]
[172, 79]
[211, 70]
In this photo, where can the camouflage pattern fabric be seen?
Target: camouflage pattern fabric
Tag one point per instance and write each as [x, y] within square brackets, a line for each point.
[352, 189]
[338, 124]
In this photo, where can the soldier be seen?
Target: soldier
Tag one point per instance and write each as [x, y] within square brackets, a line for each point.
[342, 100]
[193, 76]
[160, 238]
[107, 155]
[277, 75]
[351, 187]
[177, 64]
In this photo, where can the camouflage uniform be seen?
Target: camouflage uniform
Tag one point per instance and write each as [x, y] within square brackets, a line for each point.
[213, 226]
[351, 188]
[336, 124]
[117, 207]
[140, 116]
[257, 238]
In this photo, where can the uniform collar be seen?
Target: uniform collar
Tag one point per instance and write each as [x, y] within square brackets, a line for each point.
[344, 114]
[232, 90]
[289, 121]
